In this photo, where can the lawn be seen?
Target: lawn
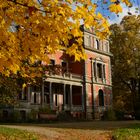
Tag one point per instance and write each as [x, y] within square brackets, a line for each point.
[96, 130]
[131, 133]
[16, 134]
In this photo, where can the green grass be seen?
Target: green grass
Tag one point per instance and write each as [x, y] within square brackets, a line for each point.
[15, 134]
[131, 133]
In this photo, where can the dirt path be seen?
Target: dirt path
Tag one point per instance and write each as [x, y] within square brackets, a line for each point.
[95, 130]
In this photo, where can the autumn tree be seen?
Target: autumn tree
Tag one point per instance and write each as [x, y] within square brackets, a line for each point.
[125, 46]
[31, 30]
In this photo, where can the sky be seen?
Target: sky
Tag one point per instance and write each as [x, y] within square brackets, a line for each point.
[113, 18]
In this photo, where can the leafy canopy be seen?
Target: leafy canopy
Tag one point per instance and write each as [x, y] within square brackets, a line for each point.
[31, 30]
[125, 46]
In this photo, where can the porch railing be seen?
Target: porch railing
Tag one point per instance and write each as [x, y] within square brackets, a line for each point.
[68, 75]
[77, 108]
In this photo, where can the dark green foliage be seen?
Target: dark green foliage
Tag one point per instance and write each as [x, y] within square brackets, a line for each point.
[46, 110]
[109, 115]
[132, 133]
[15, 116]
[65, 116]
[119, 115]
[125, 47]
[32, 116]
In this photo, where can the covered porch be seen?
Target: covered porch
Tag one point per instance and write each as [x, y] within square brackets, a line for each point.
[61, 96]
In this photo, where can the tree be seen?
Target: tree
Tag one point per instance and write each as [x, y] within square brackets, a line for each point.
[31, 30]
[125, 46]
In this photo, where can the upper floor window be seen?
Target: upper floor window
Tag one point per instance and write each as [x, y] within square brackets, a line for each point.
[52, 62]
[106, 46]
[97, 44]
[99, 70]
[101, 97]
[104, 71]
[64, 67]
[87, 39]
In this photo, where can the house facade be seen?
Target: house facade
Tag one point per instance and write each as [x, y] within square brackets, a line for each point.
[82, 88]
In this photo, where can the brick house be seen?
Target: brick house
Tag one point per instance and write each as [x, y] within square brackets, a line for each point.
[83, 88]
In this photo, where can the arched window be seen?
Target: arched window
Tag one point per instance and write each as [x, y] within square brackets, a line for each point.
[101, 98]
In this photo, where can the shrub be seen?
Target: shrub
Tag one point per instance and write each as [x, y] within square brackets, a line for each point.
[110, 115]
[46, 110]
[15, 116]
[33, 115]
[119, 114]
[1, 114]
[64, 116]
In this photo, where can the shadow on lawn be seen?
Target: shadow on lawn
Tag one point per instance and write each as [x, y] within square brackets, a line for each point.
[88, 125]
[94, 125]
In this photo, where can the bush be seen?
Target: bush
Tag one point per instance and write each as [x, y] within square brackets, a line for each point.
[46, 110]
[1, 115]
[33, 115]
[64, 116]
[109, 115]
[119, 114]
[15, 116]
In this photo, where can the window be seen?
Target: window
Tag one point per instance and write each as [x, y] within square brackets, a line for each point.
[104, 71]
[97, 44]
[99, 70]
[87, 40]
[56, 100]
[52, 62]
[64, 67]
[106, 46]
[94, 68]
[46, 98]
[46, 87]
[101, 98]
[36, 88]
[35, 97]
[24, 93]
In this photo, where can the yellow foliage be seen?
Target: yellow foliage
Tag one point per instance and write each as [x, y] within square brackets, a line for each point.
[116, 8]
[31, 31]
[127, 2]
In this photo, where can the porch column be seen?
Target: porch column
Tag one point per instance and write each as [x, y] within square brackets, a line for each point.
[71, 96]
[51, 96]
[92, 69]
[102, 72]
[83, 104]
[29, 94]
[96, 71]
[42, 93]
[64, 94]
